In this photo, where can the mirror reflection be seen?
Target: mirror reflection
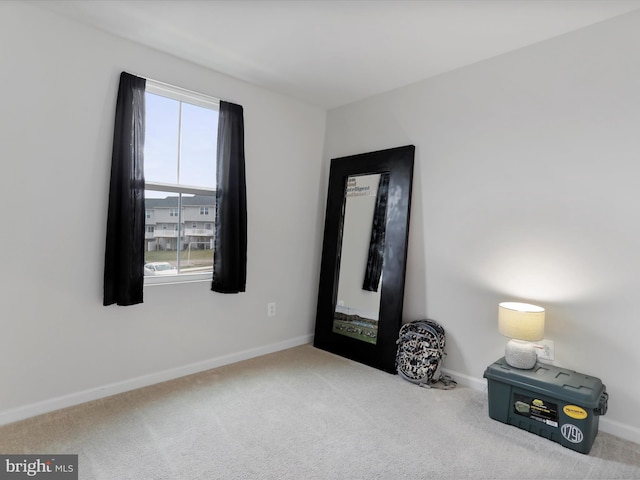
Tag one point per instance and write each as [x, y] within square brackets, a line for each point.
[361, 257]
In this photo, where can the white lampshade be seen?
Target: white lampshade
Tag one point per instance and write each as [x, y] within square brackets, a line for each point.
[521, 321]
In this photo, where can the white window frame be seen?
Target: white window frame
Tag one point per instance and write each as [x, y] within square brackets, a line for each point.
[201, 100]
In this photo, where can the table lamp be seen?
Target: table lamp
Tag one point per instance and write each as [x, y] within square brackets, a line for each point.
[523, 323]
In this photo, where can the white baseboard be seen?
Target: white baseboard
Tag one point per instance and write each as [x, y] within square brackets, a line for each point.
[50, 405]
[466, 380]
[619, 430]
[606, 425]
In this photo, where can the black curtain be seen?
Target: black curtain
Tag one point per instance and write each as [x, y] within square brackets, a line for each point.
[230, 244]
[124, 255]
[376, 245]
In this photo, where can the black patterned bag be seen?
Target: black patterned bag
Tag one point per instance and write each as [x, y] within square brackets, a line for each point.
[420, 352]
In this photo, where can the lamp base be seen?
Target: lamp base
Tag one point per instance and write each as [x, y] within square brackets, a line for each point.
[520, 354]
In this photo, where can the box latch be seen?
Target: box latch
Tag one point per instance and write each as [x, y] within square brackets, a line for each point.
[602, 404]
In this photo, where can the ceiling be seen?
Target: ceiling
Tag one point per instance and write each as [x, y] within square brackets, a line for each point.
[333, 52]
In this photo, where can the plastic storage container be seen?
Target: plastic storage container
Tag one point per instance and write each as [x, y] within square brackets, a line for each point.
[561, 405]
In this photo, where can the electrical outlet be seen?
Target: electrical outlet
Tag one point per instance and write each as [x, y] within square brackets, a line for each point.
[545, 350]
[271, 309]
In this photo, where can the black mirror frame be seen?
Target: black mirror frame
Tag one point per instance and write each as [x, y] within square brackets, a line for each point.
[399, 163]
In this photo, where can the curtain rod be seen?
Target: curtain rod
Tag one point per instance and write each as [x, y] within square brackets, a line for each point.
[184, 91]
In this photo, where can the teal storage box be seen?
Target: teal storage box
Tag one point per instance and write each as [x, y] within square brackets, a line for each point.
[559, 404]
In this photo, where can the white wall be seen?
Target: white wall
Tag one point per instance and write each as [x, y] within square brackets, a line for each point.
[58, 344]
[526, 187]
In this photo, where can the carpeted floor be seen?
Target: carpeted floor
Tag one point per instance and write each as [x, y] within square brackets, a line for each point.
[305, 414]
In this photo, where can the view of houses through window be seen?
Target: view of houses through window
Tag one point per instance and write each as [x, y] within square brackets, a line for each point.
[179, 163]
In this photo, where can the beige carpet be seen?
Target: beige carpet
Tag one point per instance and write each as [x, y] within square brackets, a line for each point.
[305, 414]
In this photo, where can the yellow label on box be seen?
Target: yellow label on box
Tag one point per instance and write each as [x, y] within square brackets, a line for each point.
[574, 411]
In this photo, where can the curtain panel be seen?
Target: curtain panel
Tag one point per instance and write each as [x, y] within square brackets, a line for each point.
[376, 245]
[230, 244]
[124, 254]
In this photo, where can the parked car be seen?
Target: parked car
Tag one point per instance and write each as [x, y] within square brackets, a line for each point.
[159, 268]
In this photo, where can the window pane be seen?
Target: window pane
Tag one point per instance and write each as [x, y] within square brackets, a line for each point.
[197, 254]
[177, 233]
[161, 139]
[162, 234]
[199, 138]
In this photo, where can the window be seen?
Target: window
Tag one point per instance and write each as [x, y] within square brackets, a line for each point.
[123, 275]
[180, 177]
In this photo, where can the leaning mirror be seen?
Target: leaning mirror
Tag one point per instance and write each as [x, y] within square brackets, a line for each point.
[364, 256]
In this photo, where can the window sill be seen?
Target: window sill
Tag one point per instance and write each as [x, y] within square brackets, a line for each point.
[177, 279]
